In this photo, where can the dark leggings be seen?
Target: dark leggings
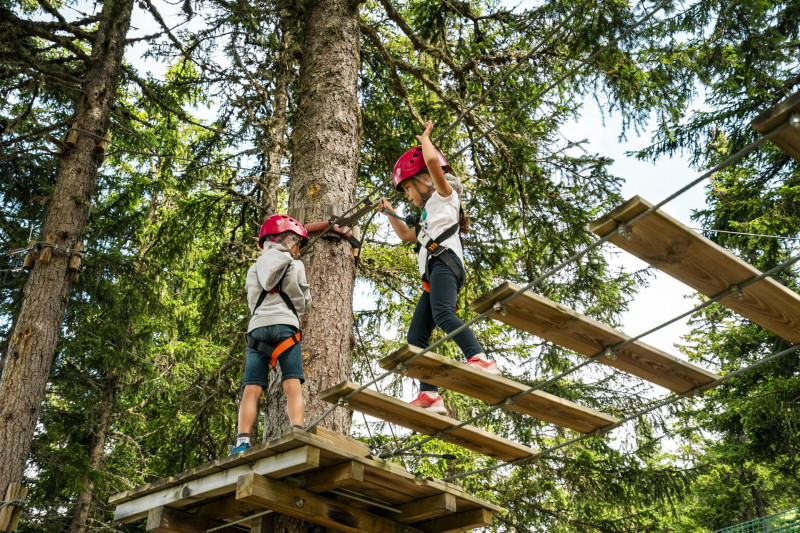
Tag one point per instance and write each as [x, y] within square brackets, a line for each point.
[438, 308]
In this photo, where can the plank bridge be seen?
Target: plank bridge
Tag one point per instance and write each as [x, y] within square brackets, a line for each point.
[332, 480]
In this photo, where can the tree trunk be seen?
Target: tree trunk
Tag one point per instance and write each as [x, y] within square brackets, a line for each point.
[33, 341]
[324, 163]
[84, 502]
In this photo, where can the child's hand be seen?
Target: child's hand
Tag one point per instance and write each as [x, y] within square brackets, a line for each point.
[427, 133]
[384, 206]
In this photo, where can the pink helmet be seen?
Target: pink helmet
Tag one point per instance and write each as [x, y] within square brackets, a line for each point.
[411, 163]
[277, 224]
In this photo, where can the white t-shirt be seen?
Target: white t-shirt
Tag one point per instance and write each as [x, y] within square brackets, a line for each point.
[439, 214]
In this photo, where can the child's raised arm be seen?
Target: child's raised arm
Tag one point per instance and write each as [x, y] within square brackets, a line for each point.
[432, 162]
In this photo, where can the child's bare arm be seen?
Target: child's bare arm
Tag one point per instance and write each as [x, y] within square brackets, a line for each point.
[405, 233]
[432, 162]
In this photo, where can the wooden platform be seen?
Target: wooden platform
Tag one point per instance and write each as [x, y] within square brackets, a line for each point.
[706, 267]
[452, 375]
[555, 323]
[780, 116]
[324, 478]
[423, 421]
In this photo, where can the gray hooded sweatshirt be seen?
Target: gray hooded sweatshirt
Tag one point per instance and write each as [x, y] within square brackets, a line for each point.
[264, 274]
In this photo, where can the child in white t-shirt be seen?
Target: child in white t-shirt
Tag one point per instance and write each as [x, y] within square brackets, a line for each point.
[422, 173]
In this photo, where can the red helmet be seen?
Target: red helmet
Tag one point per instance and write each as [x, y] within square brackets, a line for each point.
[411, 163]
[277, 224]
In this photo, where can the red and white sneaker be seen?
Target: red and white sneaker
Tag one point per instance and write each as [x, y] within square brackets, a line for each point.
[483, 364]
[430, 401]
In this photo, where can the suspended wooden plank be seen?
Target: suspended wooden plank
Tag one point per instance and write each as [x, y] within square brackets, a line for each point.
[786, 117]
[689, 257]
[306, 505]
[423, 421]
[218, 483]
[444, 372]
[555, 323]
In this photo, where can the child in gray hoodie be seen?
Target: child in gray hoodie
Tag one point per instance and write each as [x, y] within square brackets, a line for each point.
[277, 295]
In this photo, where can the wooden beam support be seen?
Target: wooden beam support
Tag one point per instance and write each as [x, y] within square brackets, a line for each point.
[339, 476]
[167, 520]
[299, 503]
[343, 442]
[220, 483]
[460, 522]
[779, 118]
[425, 509]
[404, 414]
[555, 323]
[442, 371]
[705, 266]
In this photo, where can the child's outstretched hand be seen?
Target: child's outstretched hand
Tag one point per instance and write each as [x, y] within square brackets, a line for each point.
[384, 206]
[427, 133]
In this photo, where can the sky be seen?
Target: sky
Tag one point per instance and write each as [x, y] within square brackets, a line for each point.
[665, 298]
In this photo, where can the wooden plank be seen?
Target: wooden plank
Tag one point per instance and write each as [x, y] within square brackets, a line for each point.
[404, 414]
[431, 507]
[219, 483]
[706, 267]
[248, 456]
[788, 139]
[335, 477]
[457, 523]
[555, 323]
[299, 503]
[12, 491]
[166, 520]
[343, 442]
[399, 485]
[227, 508]
[777, 115]
[439, 370]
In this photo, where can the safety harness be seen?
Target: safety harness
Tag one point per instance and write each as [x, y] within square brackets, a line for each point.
[264, 347]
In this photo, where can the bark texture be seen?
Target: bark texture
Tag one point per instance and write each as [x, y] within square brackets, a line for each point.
[325, 144]
[33, 340]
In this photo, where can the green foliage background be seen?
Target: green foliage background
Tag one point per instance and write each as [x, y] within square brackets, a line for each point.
[154, 327]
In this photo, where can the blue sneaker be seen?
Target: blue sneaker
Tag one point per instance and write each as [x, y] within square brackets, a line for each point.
[240, 448]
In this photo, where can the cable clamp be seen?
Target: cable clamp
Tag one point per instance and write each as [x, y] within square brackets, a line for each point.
[794, 120]
[624, 229]
[342, 402]
[510, 402]
[608, 353]
[736, 292]
[500, 307]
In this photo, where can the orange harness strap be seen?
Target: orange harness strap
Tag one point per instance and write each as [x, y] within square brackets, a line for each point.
[283, 346]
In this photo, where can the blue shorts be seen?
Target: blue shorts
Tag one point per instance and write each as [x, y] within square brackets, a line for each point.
[256, 369]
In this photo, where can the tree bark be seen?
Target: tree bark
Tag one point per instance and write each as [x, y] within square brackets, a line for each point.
[325, 143]
[84, 502]
[33, 341]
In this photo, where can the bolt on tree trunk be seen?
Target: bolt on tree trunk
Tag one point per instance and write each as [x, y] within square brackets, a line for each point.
[32, 343]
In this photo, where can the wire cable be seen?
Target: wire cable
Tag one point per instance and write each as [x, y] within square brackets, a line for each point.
[573, 258]
[667, 401]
